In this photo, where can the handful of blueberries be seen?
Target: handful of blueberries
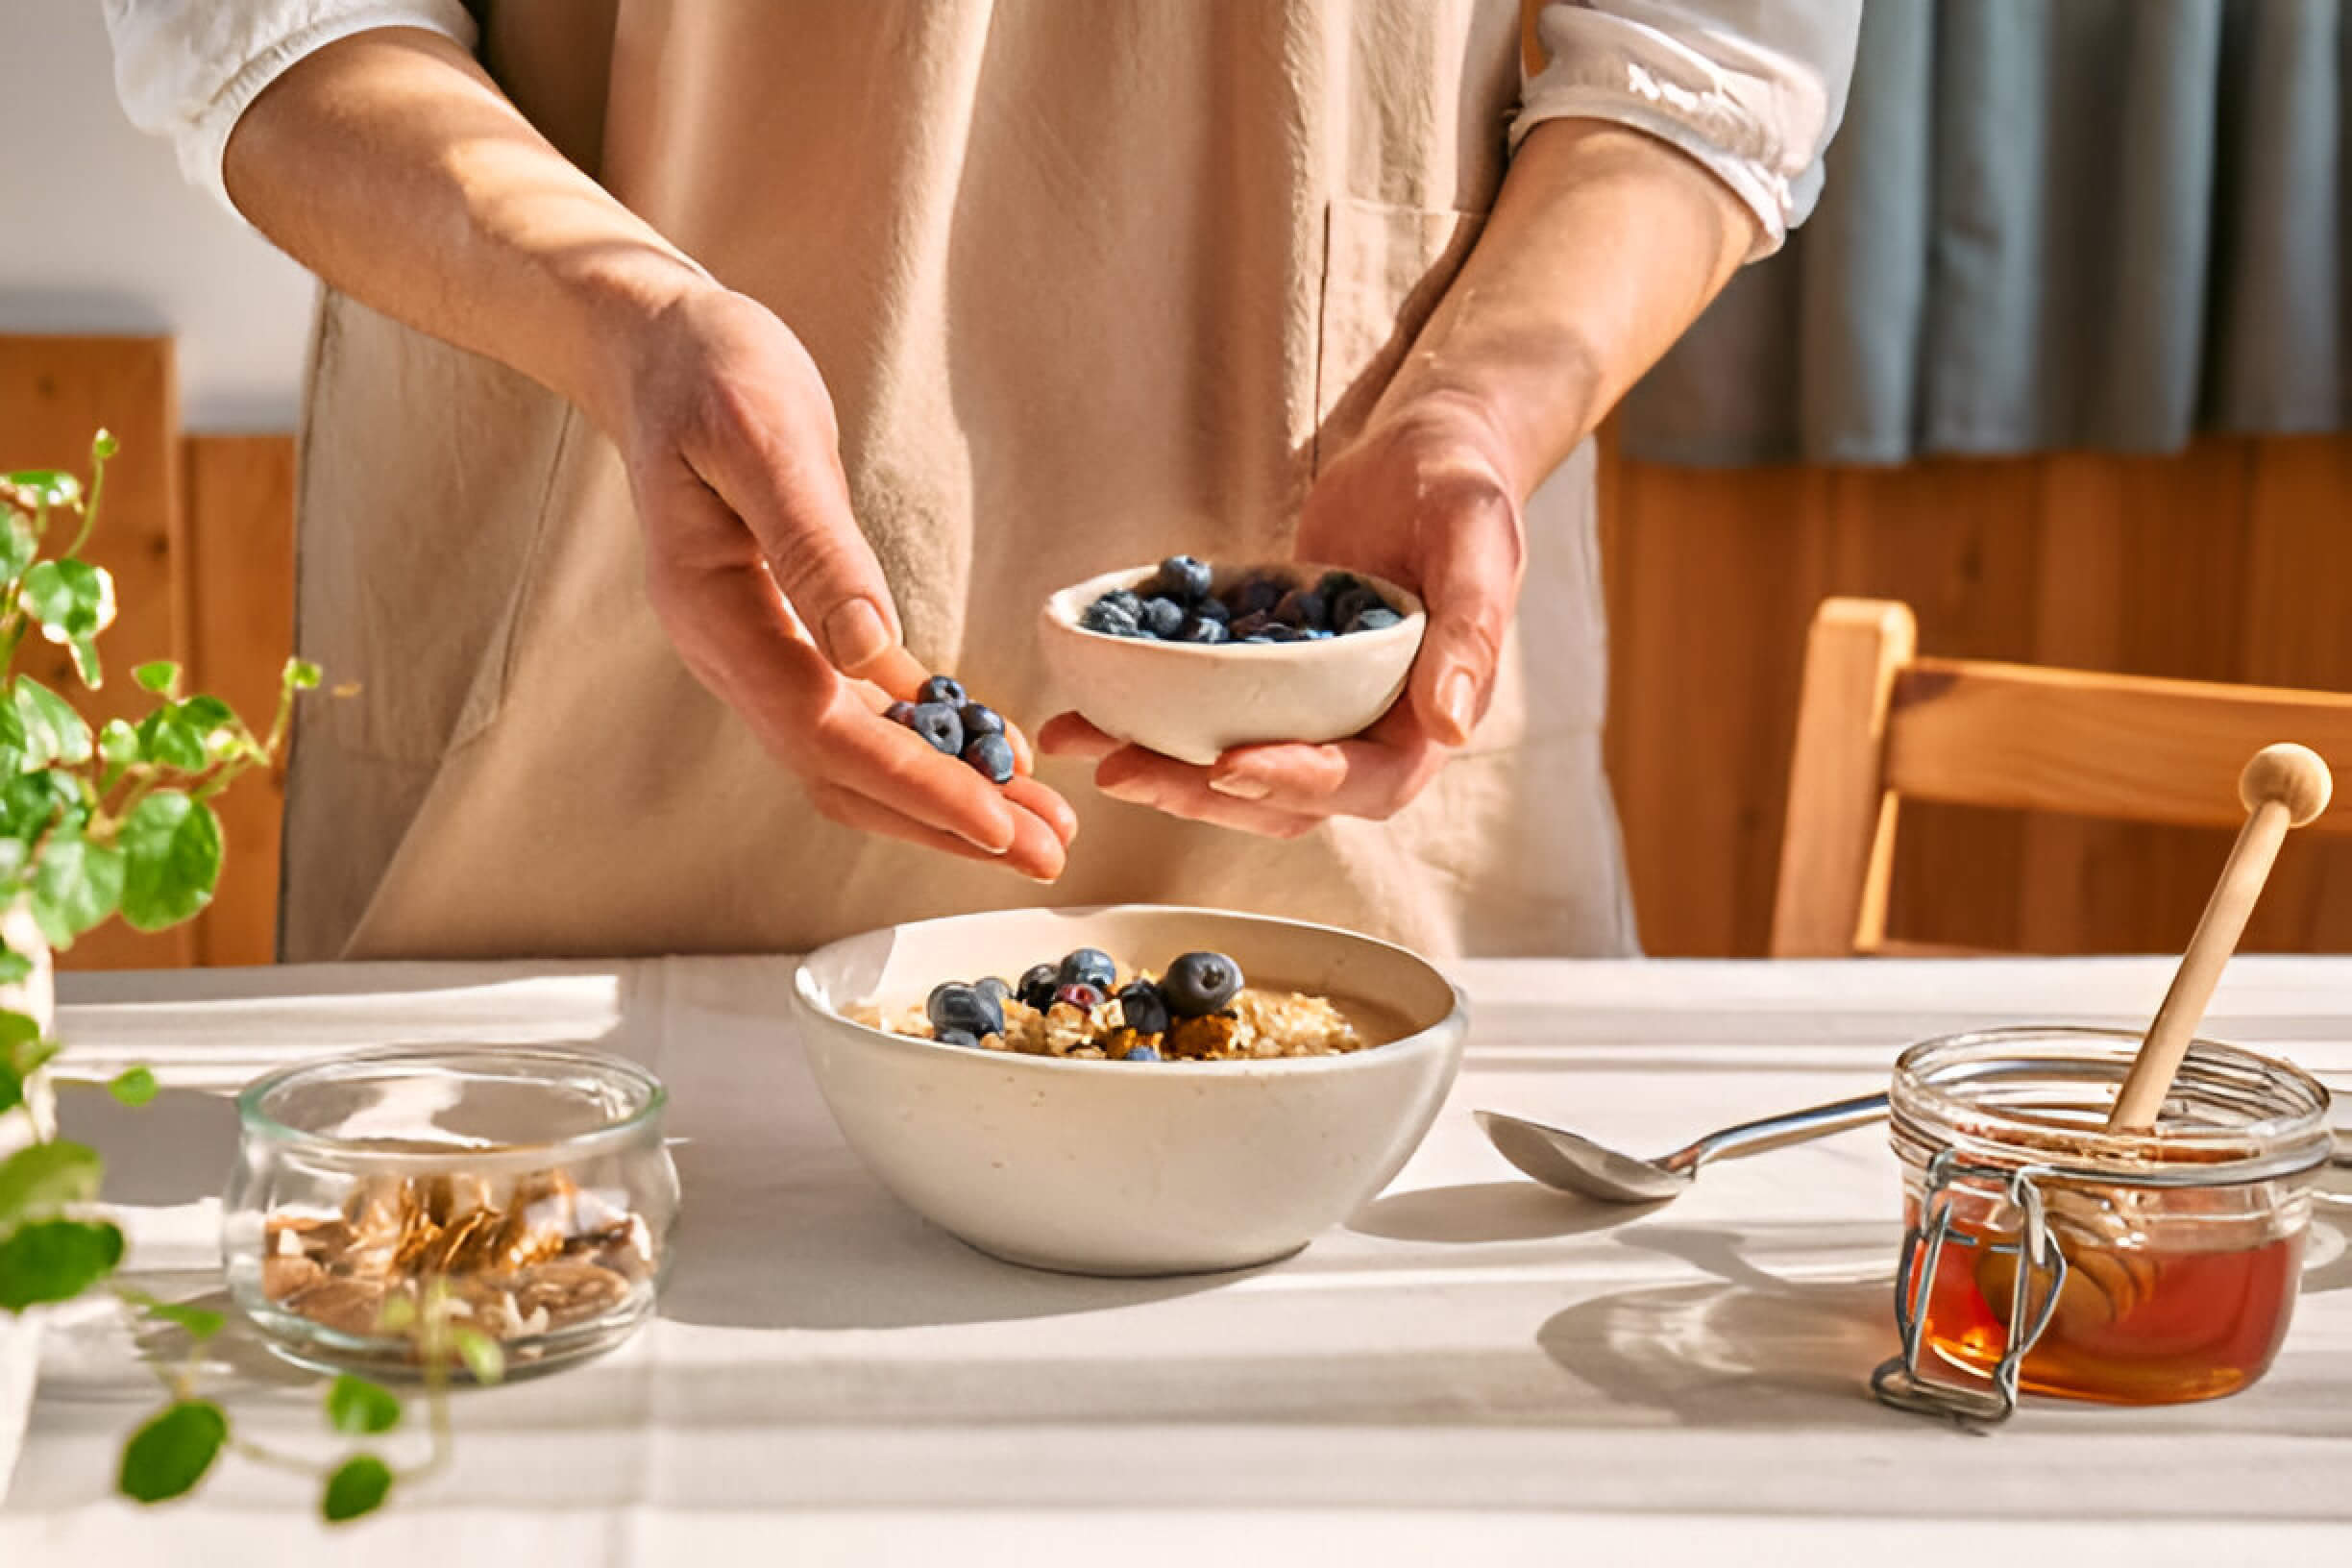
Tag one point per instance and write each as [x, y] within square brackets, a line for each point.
[954, 723]
[1178, 605]
[1195, 986]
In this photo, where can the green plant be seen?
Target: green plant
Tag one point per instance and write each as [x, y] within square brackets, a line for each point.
[117, 822]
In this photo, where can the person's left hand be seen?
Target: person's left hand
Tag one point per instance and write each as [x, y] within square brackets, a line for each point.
[1420, 498]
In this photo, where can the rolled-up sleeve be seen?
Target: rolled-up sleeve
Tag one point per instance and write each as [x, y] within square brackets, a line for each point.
[1753, 89]
[185, 69]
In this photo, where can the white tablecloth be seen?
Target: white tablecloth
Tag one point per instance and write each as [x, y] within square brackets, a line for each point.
[1474, 1369]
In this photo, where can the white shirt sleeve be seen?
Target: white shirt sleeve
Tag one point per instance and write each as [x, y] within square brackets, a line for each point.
[185, 69]
[1754, 90]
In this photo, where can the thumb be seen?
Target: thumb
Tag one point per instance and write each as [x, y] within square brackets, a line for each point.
[796, 505]
[1470, 586]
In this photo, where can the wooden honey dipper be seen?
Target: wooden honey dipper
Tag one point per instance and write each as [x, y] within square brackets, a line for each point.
[2284, 786]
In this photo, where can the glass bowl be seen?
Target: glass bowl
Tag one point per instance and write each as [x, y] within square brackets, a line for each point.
[524, 1191]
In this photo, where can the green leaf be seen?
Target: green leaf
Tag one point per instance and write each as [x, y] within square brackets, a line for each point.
[118, 743]
[203, 713]
[76, 885]
[72, 600]
[22, 1053]
[480, 1353]
[168, 1456]
[50, 486]
[357, 1487]
[399, 1312]
[360, 1407]
[56, 1259]
[53, 731]
[85, 662]
[40, 1179]
[19, 543]
[172, 843]
[14, 969]
[199, 1322]
[158, 675]
[103, 445]
[29, 802]
[165, 738]
[133, 1087]
[302, 675]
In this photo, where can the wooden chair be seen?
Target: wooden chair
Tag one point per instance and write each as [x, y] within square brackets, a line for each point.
[1877, 724]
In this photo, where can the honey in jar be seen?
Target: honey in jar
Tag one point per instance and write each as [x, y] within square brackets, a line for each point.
[2183, 1247]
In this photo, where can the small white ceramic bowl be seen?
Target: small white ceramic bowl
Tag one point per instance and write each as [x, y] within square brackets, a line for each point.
[1129, 1168]
[1192, 702]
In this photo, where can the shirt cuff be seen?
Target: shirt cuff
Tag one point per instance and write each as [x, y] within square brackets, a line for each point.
[1754, 113]
[182, 74]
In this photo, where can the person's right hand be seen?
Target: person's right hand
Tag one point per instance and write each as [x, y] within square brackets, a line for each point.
[761, 578]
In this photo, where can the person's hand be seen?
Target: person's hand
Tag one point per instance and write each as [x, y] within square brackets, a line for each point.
[761, 578]
[1419, 499]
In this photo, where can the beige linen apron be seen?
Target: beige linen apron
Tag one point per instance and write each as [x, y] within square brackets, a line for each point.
[1091, 282]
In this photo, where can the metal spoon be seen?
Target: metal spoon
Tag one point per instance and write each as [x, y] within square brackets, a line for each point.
[1575, 1163]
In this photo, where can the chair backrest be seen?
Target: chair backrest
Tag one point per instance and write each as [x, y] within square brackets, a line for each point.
[1877, 724]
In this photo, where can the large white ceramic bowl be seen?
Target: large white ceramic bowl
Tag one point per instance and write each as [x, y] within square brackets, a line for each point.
[1129, 1168]
[1192, 702]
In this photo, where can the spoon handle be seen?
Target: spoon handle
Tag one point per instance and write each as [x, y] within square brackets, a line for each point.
[1771, 1132]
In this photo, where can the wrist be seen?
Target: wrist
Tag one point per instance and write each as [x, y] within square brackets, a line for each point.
[1524, 408]
[615, 305]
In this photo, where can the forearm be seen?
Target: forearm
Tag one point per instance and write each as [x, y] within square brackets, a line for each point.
[1604, 245]
[391, 165]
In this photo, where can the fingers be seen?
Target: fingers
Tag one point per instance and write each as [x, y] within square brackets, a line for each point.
[1036, 854]
[1146, 778]
[1067, 735]
[1375, 776]
[1470, 584]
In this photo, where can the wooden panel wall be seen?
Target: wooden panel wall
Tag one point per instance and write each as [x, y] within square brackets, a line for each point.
[2231, 563]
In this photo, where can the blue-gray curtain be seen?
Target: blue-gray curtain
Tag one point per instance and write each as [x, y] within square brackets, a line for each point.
[2048, 224]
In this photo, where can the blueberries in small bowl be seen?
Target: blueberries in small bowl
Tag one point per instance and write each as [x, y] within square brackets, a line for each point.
[1199, 984]
[1180, 603]
[1090, 967]
[956, 1006]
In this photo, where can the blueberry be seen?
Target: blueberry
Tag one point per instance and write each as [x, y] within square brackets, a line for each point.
[957, 1037]
[1090, 967]
[1212, 609]
[979, 718]
[1108, 620]
[1143, 1008]
[994, 989]
[941, 689]
[1374, 619]
[1199, 984]
[1182, 578]
[1257, 596]
[938, 724]
[992, 755]
[1141, 1053]
[1304, 608]
[1084, 997]
[1336, 585]
[900, 712]
[1126, 600]
[1162, 617]
[1199, 630]
[1318, 634]
[955, 1005]
[1038, 984]
[1345, 607]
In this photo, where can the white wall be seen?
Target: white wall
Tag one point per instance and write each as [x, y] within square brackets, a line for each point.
[98, 234]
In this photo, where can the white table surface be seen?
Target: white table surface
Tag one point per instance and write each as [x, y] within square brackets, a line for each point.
[1472, 1370]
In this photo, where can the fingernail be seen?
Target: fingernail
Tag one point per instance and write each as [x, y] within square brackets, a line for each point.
[1003, 844]
[1458, 700]
[1240, 788]
[855, 635]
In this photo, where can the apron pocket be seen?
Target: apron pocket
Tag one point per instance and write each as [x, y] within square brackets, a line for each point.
[1384, 268]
